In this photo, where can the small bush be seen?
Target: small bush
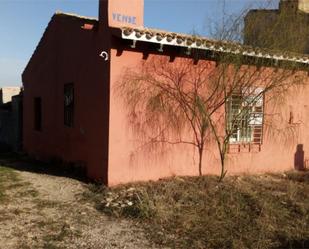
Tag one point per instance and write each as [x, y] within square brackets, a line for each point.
[128, 202]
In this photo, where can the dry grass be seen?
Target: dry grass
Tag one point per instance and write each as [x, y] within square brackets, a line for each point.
[268, 211]
[8, 181]
[39, 209]
[18, 199]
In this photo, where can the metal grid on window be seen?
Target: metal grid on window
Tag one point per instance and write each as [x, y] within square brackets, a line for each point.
[69, 104]
[245, 118]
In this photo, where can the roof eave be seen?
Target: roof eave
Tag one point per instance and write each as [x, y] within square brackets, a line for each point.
[194, 42]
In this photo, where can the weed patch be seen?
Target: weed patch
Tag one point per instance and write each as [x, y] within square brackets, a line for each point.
[268, 211]
[7, 178]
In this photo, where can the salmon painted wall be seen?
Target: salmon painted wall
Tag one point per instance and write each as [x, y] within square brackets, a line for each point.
[128, 162]
[68, 54]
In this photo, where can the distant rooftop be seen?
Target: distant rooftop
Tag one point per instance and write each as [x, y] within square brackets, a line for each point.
[6, 93]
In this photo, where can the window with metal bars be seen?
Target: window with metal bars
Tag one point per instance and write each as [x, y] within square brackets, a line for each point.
[69, 104]
[245, 117]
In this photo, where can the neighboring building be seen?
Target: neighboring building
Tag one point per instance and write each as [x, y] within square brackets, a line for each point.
[71, 110]
[6, 93]
[285, 28]
[11, 119]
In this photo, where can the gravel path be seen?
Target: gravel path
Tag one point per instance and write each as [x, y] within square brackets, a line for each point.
[47, 211]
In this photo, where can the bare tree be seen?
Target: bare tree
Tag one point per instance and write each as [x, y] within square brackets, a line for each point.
[263, 25]
[163, 101]
[230, 26]
[282, 30]
[247, 89]
[204, 102]
[218, 100]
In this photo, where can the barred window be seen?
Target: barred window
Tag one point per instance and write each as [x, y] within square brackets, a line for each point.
[245, 117]
[69, 104]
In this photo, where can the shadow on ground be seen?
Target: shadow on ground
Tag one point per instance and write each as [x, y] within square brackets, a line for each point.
[293, 244]
[23, 162]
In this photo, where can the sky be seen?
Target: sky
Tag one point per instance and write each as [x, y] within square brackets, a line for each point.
[22, 23]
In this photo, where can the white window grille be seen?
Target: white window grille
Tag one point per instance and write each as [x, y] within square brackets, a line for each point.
[245, 117]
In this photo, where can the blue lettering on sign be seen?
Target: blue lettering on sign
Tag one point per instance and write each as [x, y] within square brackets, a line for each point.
[124, 18]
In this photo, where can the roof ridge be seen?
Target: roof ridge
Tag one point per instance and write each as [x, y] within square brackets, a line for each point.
[59, 12]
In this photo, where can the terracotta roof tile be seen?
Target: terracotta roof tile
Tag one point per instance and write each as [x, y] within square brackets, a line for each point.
[197, 42]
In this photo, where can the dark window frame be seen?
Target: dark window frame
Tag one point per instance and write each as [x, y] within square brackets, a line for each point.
[37, 108]
[68, 104]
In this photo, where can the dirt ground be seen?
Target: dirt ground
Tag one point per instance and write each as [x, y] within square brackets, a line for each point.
[47, 211]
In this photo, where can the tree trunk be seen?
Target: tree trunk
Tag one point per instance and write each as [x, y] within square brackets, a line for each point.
[223, 171]
[200, 152]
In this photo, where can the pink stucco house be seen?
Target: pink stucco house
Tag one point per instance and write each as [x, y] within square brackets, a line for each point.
[71, 110]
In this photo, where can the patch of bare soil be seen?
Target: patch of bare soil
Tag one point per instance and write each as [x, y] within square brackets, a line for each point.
[44, 211]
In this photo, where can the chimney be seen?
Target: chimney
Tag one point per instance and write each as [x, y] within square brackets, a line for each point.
[121, 13]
